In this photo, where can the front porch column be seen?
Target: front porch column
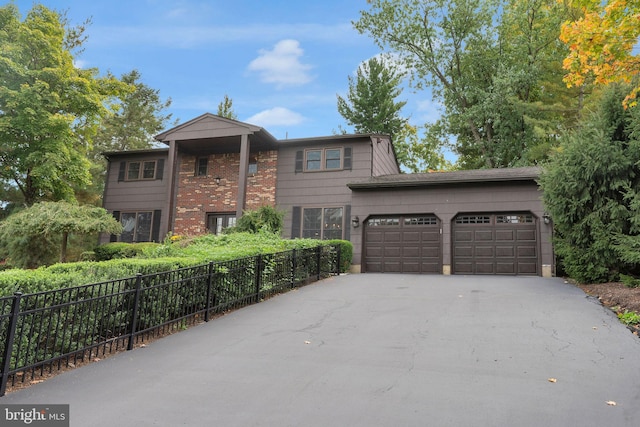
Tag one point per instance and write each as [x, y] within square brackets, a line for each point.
[166, 220]
[244, 173]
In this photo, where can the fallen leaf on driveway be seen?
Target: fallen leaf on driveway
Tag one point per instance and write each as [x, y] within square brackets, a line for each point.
[307, 342]
[552, 380]
[611, 403]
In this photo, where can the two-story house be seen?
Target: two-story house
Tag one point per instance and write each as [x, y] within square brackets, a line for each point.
[340, 186]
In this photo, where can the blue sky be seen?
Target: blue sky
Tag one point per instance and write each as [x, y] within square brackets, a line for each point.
[282, 62]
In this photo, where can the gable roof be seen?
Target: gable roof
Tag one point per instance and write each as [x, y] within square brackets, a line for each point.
[210, 125]
[531, 173]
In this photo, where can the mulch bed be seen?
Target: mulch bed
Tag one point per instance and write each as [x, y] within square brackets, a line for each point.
[617, 297]
[615, 294]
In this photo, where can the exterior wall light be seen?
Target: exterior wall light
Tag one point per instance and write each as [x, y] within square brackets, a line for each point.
[218, 180]
[546, 218]
[355, 221]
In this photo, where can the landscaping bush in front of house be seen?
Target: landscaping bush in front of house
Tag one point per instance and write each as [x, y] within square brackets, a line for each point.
[154, 258]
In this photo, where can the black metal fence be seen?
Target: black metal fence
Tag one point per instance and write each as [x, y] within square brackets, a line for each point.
[49, 331]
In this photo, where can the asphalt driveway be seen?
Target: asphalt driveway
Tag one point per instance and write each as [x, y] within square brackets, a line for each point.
[375, 350]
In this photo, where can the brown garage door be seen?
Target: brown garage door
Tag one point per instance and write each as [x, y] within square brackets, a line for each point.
[495, 243]
[403, 244]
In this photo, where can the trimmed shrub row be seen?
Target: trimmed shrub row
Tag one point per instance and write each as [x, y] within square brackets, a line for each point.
[125, 260]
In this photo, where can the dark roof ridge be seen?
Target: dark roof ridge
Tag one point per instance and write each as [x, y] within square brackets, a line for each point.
[527, 173]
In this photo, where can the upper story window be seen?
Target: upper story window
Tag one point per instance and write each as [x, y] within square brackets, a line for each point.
[201, 166]
[253, 166]
[141, 170]
[323, 159]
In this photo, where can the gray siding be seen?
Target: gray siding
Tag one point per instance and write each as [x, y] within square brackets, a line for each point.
[141, 195]
[384, 160]
[448, 201]
[206, 127]
[318, 189]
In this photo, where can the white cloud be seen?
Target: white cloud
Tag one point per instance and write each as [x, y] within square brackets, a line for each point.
[282, 65]
[277, 116]
[79, 63]
[429, 111]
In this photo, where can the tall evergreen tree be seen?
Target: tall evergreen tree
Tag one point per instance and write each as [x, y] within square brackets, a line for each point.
[133, 119]
[371, 105]
[591, 188]
[136, 116]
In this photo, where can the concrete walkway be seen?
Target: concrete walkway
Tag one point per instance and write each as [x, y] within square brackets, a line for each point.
[375, 350]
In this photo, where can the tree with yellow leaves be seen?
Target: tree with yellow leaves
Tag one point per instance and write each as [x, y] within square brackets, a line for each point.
[601, 44]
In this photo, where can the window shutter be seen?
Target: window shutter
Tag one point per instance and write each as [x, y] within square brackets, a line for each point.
[347, 222]
[114, 237]
[155, 227]
[295, 222]
[123, 168]
[160, 168]
[347, 158]
[299, 161]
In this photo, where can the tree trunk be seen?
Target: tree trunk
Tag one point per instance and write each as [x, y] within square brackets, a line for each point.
[63, 247]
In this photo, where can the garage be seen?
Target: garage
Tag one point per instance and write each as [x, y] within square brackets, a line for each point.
[403, 244]
[495, 243]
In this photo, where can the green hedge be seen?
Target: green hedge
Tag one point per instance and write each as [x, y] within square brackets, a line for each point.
[81, 273]
[346, 253]
[116, 250]
[155, 258]
[104, 310]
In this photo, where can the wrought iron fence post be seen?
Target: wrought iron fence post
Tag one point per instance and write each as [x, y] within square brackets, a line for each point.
[258, 277]
[9, 338]
[209, 285]
[134, 314]
[318, 261]
[294, 264]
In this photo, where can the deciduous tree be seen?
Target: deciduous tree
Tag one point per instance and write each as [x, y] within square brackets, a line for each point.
[601, 43]
[45, 104]
[47, 222]
[225, 108]
[489, 63]
[419, 154]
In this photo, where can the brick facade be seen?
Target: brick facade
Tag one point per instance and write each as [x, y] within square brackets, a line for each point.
[196, 196]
